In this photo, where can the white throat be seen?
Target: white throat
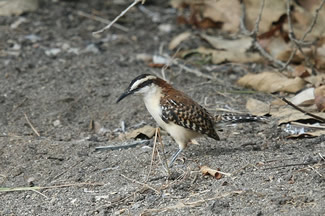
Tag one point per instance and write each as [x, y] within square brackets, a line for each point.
[151, 99]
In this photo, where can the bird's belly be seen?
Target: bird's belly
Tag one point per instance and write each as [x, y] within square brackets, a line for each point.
[180, 134]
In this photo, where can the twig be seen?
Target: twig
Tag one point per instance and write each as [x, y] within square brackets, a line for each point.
[315, 170]
[254, 33]
[301, 43]
[30, 124]
[308, 125]
[140, 183]
[119, 16]
[126, 146]
[48, 187]
[40, 193]
[321, 156]
[163, 151]
[258, 20]
[188, 69]
[102, 20]
[152, 155]
[313, 23]
[303, 111]
[19, 105]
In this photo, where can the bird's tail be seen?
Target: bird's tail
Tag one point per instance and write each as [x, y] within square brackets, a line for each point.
[231, 118]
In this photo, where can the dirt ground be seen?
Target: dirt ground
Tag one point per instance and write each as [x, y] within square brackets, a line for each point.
[62, 92]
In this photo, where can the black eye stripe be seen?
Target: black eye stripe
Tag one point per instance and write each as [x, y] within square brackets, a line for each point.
[145, 83]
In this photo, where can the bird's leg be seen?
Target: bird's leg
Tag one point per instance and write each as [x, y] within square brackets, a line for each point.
[174, 157]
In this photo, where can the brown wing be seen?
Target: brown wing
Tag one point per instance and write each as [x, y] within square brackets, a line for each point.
[182, 110]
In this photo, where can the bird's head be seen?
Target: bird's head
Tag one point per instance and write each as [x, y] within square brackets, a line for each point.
[142, 84]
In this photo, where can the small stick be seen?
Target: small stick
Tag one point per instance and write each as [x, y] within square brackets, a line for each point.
[102, 20]
[140, 183]
[308, 125]
[300, 43]
[188, 69]
[30, 124]
[303, 111]
[254, 33]
[315, 170]
[118, 17]
[49, 187]
[153, 154]
[126, 146]
[163, 150]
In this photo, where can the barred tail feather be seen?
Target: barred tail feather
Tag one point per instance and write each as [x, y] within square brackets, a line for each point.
[238, 118]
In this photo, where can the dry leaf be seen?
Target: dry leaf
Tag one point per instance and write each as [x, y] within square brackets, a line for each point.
[220, 56]
[225, 11]
[271, 82]
[232, 56]
[317, 80]
[288, 114]
[301, 71]
[178, 39]
[205, 170]
[257, 107]
[241, 44]
[17, 7]
[278, 102]
[320, 56]
[277, 47]
[271, 13]
[144, 132]
[304, 98]
[320, 98]
[284, 55]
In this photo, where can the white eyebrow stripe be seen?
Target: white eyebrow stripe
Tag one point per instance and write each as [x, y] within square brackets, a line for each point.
[138, 82]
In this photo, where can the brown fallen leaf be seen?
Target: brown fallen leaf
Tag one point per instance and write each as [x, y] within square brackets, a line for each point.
[17, 7]
[273, 10]
[298, 58]
[317, 80]
[288, 114]
[257, 107]
[241, 44]
[220, 56]
[304, 98]
[271, 82]
[301, 71]
[144, 132]
[224, 11]
[205, 170]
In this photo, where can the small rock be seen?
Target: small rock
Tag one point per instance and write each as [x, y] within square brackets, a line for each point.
[52, 51]
[33, 38]
[57, 123]
[166, 28]
[91, 48]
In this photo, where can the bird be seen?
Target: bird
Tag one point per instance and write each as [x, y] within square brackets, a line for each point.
[175, 112]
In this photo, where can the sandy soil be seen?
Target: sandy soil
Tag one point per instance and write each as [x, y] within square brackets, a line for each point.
[61, 93]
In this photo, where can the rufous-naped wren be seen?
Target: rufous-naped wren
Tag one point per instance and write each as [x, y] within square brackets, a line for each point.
[175, 112]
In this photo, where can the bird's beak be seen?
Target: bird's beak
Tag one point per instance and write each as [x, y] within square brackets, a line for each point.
[126, 93]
